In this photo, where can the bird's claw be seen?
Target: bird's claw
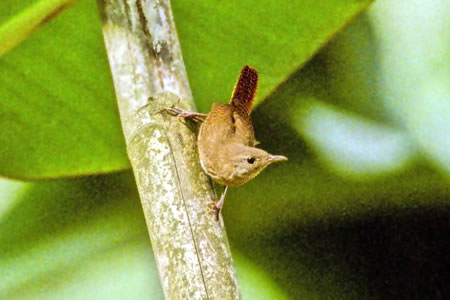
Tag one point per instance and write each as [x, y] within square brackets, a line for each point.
[182, 115]
[215, 209]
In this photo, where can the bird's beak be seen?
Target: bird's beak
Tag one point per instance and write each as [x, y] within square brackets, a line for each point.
[273, 158]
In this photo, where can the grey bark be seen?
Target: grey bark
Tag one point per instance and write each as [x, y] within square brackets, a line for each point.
[190, 246]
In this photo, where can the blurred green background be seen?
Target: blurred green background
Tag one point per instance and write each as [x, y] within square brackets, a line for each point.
[355, 93]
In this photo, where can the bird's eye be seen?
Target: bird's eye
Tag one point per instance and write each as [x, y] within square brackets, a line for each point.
[250, 160]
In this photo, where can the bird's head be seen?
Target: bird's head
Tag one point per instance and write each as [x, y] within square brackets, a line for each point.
[246, 162]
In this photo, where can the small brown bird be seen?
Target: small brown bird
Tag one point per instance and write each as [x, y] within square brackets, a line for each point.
[226, 141]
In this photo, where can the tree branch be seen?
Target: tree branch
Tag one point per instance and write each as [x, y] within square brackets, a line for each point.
[190, 247]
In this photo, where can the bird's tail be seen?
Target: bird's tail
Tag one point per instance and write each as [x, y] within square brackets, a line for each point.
[245, 89]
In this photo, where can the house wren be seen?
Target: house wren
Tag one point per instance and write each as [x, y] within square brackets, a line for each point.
[226, 140]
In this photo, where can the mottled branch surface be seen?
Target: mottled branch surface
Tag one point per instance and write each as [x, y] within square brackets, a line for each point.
[190, 247]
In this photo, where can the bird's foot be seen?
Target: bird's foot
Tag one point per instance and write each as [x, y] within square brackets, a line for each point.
[182, 115]
[217, 205]
[215, 209]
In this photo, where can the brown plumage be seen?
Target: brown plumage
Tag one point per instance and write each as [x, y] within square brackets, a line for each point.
[226, 141]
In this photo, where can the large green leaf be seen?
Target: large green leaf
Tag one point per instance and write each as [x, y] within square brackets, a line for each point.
[58, 113]
[277, 37]
[19, 27]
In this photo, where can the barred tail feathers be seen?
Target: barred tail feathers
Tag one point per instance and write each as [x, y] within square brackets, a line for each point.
[245, 89]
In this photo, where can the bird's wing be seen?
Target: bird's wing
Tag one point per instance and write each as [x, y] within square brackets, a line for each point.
[226, 125]
[243, 129]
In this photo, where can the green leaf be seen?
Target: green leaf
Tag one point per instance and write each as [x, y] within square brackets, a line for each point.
[19, 27]
[58, 115]
[277, 37]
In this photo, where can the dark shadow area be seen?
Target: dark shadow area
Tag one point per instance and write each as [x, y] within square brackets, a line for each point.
[402, 255]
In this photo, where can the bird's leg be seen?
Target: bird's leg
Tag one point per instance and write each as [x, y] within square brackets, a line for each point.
[195, 116]
[219, 204]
